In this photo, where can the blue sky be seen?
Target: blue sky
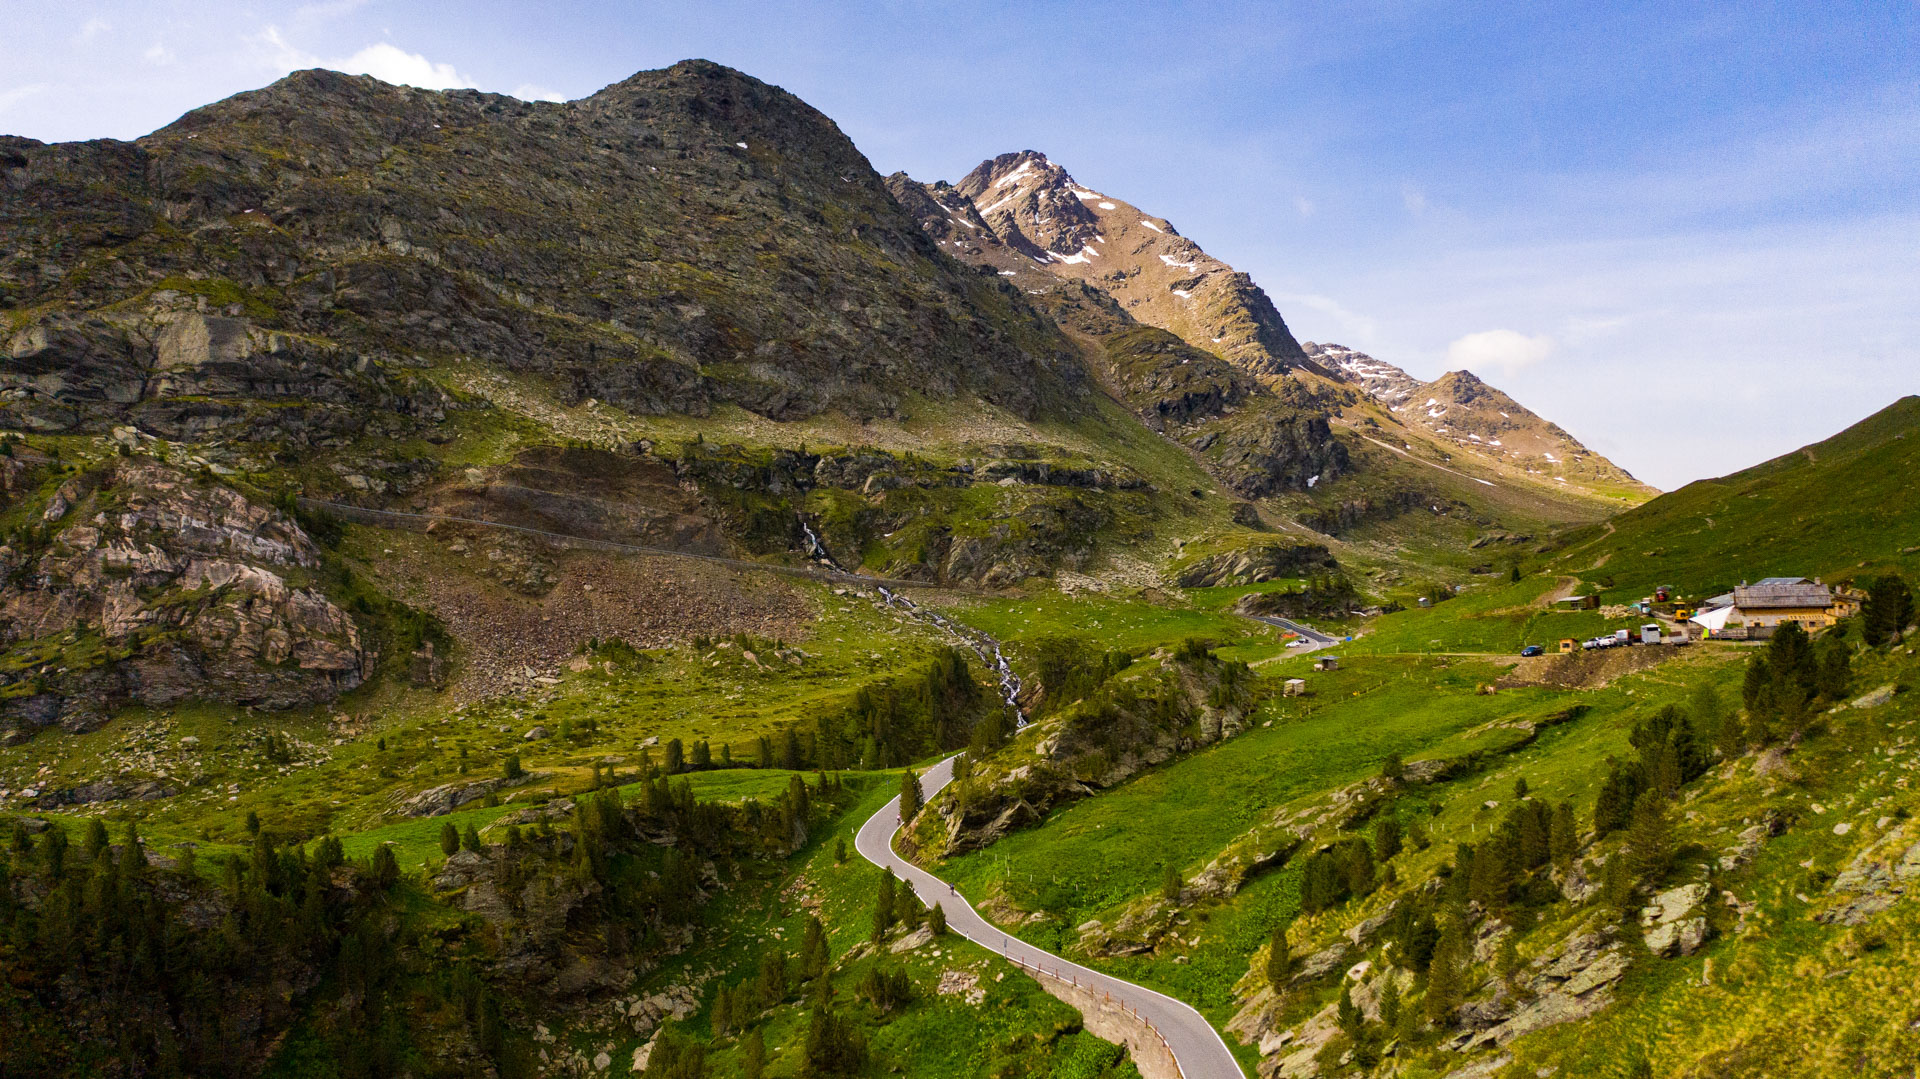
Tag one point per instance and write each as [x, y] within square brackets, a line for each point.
[1689, 234]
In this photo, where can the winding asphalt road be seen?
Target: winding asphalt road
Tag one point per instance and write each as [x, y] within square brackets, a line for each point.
[1198, 1048]
[1314, 638]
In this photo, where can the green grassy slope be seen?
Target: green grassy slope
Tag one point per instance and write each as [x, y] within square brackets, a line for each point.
[1819, 511]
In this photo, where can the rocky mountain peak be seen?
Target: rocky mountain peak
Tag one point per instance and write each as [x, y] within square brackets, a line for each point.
[1465, 410]
[1027, 216]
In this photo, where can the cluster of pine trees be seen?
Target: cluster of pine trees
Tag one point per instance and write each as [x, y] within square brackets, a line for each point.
[1788, 684]
[938, 707]
[1888, 610]
[834, 1043]
[110, 963]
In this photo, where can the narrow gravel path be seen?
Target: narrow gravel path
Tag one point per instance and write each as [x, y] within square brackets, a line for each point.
[1198, 1048]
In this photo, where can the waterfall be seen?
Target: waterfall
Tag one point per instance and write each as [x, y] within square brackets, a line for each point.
[983, 644]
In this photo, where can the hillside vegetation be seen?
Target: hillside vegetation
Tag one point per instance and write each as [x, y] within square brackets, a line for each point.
[1821, 511]
[468, 568]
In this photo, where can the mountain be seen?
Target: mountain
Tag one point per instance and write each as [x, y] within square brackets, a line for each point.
[1841, 507]
[681, 240]
[1021, 213]
[1476, 418]
[1271, 418]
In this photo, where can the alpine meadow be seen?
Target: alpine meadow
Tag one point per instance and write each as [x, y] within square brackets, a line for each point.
[532, 588]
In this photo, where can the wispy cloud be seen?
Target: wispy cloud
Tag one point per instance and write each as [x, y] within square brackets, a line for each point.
[1354, 328]
[1304, 205]
[14, 96]
[1414, 199]
[382, 60]
[390, 63]
[1500, 350]
[158, 53]
[92, 28]
[527, 91]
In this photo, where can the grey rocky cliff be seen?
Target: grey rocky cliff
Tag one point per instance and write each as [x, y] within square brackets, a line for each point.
[153, 586]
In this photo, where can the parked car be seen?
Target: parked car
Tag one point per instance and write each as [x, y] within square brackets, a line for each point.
[1532, 650]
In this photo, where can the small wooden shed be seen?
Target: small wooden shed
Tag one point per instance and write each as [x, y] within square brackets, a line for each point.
[1294, 687]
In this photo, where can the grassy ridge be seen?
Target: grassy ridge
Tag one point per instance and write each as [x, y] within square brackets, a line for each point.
[1818, 511]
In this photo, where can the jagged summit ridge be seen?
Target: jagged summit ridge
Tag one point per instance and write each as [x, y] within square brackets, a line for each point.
[1463, 409]
[680, 240]
[1025, 214]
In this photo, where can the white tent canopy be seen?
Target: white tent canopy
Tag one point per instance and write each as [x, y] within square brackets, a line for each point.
[1714, 620]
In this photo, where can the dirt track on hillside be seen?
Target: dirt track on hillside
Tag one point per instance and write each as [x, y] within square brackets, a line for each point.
[1586, 669]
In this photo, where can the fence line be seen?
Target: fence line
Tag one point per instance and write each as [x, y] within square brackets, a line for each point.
[1107, 995]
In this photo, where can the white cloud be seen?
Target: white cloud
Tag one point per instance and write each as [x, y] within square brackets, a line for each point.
[327, 10]
[1304, 205]
[93, 28]
[10, 98]
[158, 53]
[390, 63]
[527, 91]
[1504, 350]
[1353, 329]
[1414, 198]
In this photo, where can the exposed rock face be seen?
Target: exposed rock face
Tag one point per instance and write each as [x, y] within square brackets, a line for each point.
[178, 374]
[1673, 924]
[1875, 879]
[1253, 565]
[683, 238]
[1572, 983]
[446, 799]
[1147, 714]
[1463, 410]
[1022, 212]
[185, 585]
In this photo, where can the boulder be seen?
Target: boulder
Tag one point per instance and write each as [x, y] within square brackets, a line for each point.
[1672, 924]
[451, 796]
[461, 868]
[1874, 698]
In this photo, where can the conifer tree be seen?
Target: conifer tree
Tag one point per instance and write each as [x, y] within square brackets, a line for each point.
[96, 838]
[937, 921]
[1563, 838]
[1888, 610]
[883, 904]
[813, 949]
[1279, 958]
[470, 839]
[753, 1055]
[1446, 975]
[676, 757]
[1732, 737]
[1390, 1004]
[449, 839]
[1386, 838]
[1836, 669]
[910, 796]
[1347, 1014]
[840, 848]
[385, 869]
[1650, 839]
